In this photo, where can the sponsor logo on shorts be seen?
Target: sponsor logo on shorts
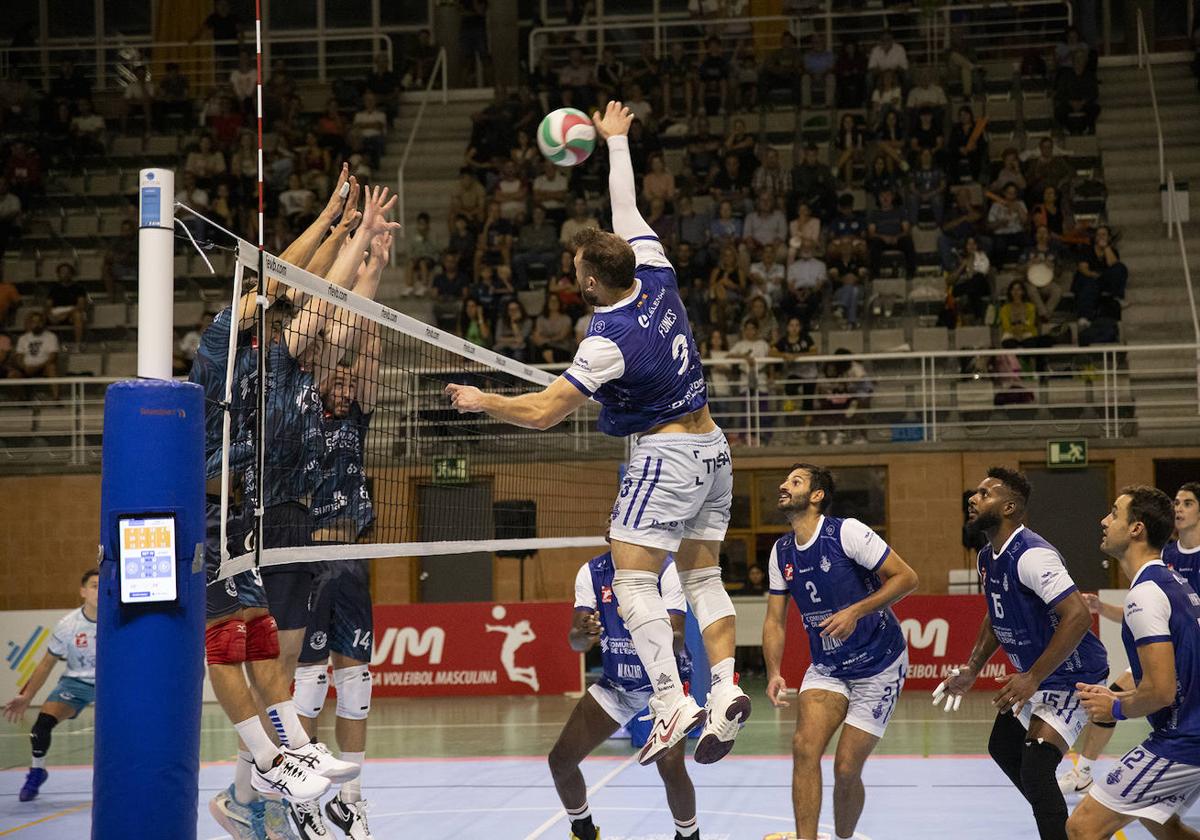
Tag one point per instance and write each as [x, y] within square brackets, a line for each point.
[318, 640]
[1114, 776]
[230, 587]
[665, 526]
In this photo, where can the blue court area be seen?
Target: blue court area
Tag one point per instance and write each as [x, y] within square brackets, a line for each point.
[742, 798]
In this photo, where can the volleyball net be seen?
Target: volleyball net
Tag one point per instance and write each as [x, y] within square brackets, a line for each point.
[339, 441]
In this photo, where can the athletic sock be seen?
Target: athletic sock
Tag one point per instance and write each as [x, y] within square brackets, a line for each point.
[243, 791]
[1084, 766]
[687, 828]
[581, 822]
[645, 616]
[352, 790]
[722, 672]
[287, 725]
[1039, 762]
[38, 762]
[257, 742]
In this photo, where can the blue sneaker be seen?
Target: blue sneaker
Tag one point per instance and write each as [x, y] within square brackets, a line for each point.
[33, 781]
[240, 821]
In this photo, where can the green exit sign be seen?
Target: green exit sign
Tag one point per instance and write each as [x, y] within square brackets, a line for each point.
[450, 471]
[1066, 453]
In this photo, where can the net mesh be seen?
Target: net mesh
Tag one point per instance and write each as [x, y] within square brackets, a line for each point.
[342, 442]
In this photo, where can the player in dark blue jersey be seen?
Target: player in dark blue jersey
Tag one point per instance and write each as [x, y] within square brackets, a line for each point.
[1159, 780]
[640, 362]
[340, 612]
[618, 697]
[1181, 555]
[1037, 615]
[844, 579]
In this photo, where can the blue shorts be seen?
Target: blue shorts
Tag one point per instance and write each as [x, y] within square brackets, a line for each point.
[341, 617]
[74, 693]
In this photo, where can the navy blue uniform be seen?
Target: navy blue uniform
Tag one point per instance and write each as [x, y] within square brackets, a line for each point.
[1185, 561]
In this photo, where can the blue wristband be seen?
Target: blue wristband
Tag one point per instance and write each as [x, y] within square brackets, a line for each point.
[1116, 710]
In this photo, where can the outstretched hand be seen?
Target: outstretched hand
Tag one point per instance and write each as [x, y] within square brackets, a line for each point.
[381, 248]
[378, 205]
[336, 200]
[615, 122]
[465, 398]
[351, 215]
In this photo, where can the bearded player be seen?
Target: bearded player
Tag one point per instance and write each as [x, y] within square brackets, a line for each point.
[640, 362]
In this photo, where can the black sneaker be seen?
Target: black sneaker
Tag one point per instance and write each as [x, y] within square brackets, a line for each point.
[306, 819]
[350, 817]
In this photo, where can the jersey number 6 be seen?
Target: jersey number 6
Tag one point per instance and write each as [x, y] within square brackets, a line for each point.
[679, 350]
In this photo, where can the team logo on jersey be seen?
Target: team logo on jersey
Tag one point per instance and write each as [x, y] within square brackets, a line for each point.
[1004, 581]
[825, 564]
[598, 326]
[81, 640]
[789, 571]
[318, 640]
[606, 596]
[829, 530]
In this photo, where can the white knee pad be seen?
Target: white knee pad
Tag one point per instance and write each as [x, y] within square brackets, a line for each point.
[312, 686]
[638, 598]
[353, 692]
[707, 596]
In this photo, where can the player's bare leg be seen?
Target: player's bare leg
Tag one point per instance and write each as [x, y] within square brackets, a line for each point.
[681, 793]
[587, 728]
[290, 644]
[347, 810]
[645, 615]
[1093, 821]
[854, 748]
[818, 715]
[728, 706]
[1172, 829]
[1095, 738]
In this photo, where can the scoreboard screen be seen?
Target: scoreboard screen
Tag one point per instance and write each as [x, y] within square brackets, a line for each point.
[147, 558]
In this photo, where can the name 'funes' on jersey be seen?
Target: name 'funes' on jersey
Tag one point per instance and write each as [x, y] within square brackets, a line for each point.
[835, 569]
[1162, 607]
[594, 591]
[1022, 583]
[639, 359]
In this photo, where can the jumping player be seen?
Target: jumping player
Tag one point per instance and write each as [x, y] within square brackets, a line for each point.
[1158, 780]
[339, 621]
[844, 579]
[1181, 555]
[640, 362]
[1036, 613]
[618, 697]
[73, 641]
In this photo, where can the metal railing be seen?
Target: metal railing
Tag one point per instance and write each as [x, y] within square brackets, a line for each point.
[992, 30]
[1011, 397]
[437, 72]
[1143, 55]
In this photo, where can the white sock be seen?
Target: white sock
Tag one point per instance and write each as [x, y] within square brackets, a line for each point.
[584, 813]
[1084, 766]
[257, 742]
[243, 792]
[687, 828]
[352, 790]
[38, 761]
[645, 616]
[848, 837]
[722, 672]
[287, 725]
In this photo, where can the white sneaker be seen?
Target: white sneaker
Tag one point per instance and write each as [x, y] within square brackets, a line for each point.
[316, 757]
[288, 779]
[350, 817]
[728, 710]
[672, 723]
[307, 821]
[1074, 781]
[236, 819]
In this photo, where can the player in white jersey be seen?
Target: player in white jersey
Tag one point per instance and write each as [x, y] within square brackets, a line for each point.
[640, 362]
[73, 641]
[1159, 780]
[1182, 555]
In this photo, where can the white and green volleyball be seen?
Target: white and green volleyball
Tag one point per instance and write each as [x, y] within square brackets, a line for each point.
[566, 136]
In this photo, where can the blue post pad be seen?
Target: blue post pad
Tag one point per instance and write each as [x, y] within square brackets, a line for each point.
[150, 656]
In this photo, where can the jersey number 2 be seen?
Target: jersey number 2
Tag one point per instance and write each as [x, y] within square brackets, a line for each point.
[679, 350]
[812, 591]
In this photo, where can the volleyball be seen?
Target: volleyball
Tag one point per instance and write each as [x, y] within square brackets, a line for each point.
[566, 136]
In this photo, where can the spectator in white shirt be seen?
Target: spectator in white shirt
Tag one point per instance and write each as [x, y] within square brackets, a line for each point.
[88, 130]
[550, 192]
[639, 106]
[244, 82]
[37, 351]
[766, 224]
[139, 100]
[768, 275]
[926, 93]
[370, 124]
[886, 55]
[805, 278]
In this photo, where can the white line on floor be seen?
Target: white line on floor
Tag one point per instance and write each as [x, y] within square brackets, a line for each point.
[612, 774]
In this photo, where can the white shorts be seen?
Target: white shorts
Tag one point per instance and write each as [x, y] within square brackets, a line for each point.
[1060, 709]
[677, 487]
[872, 699]
[620, 705]
[1147, 786]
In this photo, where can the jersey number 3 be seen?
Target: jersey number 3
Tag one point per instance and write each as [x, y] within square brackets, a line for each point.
[679, 350]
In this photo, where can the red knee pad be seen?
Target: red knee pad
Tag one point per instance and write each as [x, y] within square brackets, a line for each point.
[262, 639]
[225, 643]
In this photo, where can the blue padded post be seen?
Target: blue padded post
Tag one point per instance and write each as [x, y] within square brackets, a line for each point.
[150, 657]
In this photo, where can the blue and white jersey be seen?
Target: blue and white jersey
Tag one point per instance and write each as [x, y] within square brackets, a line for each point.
[639, 359]
[208, 371]
[342, 489]
[594, 592]
[1023, 582]
[1185, 561]
[1161, 607]
[836, 568]
[74, 640]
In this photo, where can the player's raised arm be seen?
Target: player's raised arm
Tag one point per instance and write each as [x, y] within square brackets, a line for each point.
[613, 126]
